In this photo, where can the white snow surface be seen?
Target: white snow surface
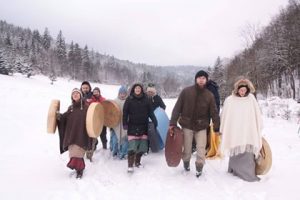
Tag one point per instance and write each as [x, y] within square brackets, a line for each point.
[31, 166]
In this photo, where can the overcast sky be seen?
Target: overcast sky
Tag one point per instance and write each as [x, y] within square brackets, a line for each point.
[156, 32]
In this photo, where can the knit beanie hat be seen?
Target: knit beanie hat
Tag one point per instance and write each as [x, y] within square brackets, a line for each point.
[201, 73]
[76, 90]
[122, 90]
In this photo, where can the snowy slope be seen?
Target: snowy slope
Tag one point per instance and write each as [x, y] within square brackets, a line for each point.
[32, 168]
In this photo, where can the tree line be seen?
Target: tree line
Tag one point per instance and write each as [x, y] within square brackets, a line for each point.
[272, 61]
[31, 52]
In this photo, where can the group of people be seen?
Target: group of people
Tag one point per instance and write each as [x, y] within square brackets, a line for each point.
[196, 108]
[128, 139]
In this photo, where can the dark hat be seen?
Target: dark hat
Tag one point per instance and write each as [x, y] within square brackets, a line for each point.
[201, 73]
[96, 88]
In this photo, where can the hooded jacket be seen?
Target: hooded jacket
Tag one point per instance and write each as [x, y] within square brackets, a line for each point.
[136, 113]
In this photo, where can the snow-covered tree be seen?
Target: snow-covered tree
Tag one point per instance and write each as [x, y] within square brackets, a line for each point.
[46, 40]
[4, 68]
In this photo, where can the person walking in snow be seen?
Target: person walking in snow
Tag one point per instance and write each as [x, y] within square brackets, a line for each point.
[155, 100]
[194, 109]
[97, 98]
[136, 112]
[118, 138]
[241, 126]
[86, 91]
[72, 132]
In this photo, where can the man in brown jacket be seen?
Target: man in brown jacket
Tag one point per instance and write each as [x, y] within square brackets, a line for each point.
[194, 109]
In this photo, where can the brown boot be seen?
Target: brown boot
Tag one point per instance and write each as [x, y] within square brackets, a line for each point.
[138, 159]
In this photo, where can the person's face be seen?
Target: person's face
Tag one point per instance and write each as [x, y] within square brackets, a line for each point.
[242, 91]
[85, 88]
[150, 93]
[76, 96]
[122, 96]
[137, 90]
[201, 81]
[96, 93]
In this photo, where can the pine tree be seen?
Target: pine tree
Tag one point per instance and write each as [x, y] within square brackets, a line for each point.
[77, 59]
[46, 40]
[61, 52]
[3, 64]
[86, 63]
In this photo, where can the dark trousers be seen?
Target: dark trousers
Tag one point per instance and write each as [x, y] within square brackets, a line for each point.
[103, 138]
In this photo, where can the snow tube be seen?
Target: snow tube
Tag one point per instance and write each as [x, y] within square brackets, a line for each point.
[94, 120]
[264, 163]
[51, 120]
[154, 138]
[162, 125]
[112, 113]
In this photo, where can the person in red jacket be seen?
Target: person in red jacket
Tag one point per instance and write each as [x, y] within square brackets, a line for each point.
[98, 98]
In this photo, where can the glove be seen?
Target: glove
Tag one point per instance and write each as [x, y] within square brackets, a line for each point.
[217, 133]
[171, 130]
[58, 115]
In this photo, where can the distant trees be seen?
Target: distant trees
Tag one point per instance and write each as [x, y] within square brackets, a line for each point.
[272, 61]
[30, 52]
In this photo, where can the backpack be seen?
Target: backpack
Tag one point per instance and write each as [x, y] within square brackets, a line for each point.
[214, 89]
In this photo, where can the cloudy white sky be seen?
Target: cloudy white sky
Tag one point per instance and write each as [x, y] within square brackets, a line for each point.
[156, 32]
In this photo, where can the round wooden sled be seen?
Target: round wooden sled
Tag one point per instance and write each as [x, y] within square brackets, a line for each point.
[174, 147]
[94, 120]
[263, 165]
[112, 113]
[51, 119]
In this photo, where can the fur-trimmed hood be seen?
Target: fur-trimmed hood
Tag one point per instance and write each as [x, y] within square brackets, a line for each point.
[243, 82]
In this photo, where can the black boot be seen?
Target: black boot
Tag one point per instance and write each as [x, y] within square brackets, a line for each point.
[199, 168]
[79, 174]
[131, 156]
[138, 159]
[186, 165]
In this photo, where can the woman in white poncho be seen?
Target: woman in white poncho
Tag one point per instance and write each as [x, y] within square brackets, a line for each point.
[241, 125]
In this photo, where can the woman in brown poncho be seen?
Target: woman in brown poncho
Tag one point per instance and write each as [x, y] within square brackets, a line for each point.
[73, 134]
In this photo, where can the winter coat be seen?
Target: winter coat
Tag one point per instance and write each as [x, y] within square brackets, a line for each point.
[87, 97]
[72, 127]
[195, 107]
[97, 99]
[156, 102]
[136, 113]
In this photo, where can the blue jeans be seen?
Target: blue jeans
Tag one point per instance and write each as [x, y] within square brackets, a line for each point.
[117, 149]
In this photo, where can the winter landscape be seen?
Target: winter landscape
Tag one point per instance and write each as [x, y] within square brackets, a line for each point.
[32, 168]
[47, 48]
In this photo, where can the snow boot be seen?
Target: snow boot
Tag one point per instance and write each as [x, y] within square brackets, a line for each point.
[131, 156]
[89, 155]
[186, 165]
[138, 160]
[79, 174]
[199, 168]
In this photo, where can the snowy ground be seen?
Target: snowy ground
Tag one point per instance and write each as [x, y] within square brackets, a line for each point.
[32, 168]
